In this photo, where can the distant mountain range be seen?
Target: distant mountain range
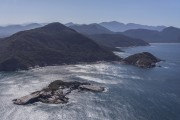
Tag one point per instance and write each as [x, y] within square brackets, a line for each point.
[121, 27]
[160, 34]
[107, 38]
[91, 29]
[167, 35]
[11, 29]
[53, 44]
[150, 34]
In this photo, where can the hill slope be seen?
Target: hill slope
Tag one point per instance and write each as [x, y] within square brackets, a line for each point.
[49, 45]
[117, 40]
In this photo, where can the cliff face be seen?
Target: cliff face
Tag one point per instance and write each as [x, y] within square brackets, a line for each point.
[53, 44]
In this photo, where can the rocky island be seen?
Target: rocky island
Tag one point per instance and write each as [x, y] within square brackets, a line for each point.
[56, 92]
[143, 60]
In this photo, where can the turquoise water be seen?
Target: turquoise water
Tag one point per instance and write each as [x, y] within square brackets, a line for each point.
[132, 93]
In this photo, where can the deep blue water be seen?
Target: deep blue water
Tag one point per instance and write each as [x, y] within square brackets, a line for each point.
[132, 93]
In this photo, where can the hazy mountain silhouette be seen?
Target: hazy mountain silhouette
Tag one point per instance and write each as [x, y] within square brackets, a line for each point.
[167, 35]
[11, 29]
[107, 38]
[91, 29]
[170, 34]
[102, 28]
[49, 45]
[70, 24]
[121, 27]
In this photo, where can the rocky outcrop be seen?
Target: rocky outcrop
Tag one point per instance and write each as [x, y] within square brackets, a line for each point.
[92, 88]
[143, 60]
[33, 97]
[56, 92]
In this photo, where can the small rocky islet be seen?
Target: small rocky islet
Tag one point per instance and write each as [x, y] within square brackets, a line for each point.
[56, 92]
[142, 60]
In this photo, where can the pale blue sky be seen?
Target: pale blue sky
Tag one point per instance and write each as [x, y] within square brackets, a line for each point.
[150, 12]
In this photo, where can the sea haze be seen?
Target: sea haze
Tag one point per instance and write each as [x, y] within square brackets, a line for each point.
[132, 93]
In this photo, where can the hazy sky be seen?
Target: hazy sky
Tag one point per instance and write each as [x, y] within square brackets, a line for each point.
[150, 12]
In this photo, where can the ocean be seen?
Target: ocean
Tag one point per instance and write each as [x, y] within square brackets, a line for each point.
[132, 93]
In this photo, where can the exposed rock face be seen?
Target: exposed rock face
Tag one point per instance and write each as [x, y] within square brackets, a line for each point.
[33, 97]
[56, 92]
[143, 60]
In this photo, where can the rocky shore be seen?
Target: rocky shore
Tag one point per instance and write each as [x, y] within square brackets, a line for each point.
[56, 92]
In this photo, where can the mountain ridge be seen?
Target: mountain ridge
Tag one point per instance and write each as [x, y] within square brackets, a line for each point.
[6, 31]
[121, 27]
[53, 44]
[90, 29]
[167, 35]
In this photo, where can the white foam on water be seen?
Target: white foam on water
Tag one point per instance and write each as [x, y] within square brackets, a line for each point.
[106, 89]
[98, 80]
[122, 54]
[81, 105]
[8, 82]
[165, 67]
[135, 77]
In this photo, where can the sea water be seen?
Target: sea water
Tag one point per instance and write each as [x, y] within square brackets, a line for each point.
[132, 93]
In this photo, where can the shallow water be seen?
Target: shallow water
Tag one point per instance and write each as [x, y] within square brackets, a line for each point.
[133, 93]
